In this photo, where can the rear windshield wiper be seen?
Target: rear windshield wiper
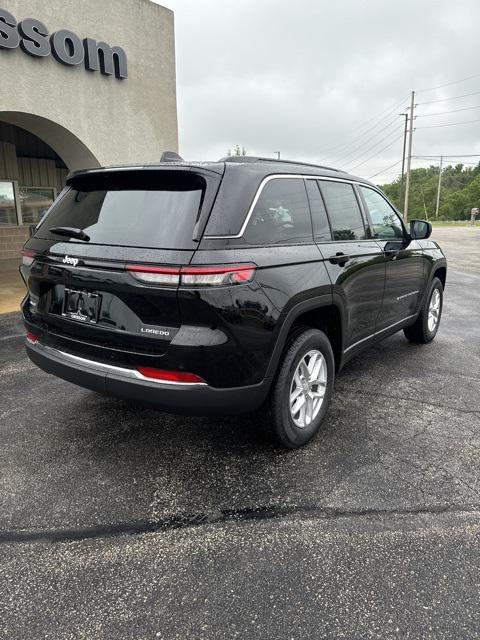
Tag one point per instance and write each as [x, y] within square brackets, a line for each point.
[70, 232]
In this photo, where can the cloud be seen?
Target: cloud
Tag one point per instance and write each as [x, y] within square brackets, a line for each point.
[324, 82]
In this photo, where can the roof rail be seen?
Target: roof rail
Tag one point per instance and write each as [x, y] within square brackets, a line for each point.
[275, 160]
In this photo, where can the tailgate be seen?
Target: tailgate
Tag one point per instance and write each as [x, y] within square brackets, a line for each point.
[80, 291]
[98, 303]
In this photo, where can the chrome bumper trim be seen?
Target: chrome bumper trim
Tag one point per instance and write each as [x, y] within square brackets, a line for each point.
[110, 368]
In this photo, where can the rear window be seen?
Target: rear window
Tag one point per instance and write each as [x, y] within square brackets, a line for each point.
[136, 209]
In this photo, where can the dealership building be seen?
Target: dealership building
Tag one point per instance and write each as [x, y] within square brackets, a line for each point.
[84, 84]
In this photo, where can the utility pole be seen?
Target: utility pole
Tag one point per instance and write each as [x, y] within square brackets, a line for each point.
[403, 156]
[409, 158]
[439, 186]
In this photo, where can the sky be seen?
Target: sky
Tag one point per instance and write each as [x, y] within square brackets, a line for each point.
[324, 82]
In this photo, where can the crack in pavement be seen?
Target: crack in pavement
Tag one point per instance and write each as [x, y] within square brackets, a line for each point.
[13, 335]
[184, 521]
[474, 412]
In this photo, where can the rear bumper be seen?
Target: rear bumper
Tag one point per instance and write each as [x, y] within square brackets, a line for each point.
[184, 399]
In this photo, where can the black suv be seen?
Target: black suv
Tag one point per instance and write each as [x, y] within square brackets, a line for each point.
[221, 287]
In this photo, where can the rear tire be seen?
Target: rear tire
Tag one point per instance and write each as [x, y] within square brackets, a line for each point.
[426, 325]
[302, 392]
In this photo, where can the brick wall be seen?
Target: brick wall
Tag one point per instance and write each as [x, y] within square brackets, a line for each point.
[12, 240]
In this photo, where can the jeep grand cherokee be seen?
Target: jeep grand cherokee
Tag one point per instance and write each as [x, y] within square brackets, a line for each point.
[224, 287]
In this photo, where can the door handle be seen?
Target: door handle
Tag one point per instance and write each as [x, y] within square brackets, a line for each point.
[339, 258]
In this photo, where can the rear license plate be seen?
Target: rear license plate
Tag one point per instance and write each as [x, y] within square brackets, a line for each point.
[81, 306]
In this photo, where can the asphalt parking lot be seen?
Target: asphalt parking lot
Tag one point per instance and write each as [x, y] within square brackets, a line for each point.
[121, 522]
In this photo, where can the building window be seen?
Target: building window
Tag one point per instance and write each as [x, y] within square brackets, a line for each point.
[35, 202]
[8, 209]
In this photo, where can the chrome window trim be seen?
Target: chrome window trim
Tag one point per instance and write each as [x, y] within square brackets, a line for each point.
[267, 179]
[372, 335]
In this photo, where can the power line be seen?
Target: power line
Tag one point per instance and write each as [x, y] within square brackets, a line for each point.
[465, 95]
[473, 164]
[370, 148]
[391, 173]
[377, 153]
[387, 113]
[458, 155]
[448, 84]
[381, 119]
[385, 171]
[447, 158]
[353, 150]
[382, 171]
[448, 124]
[352, 147]
[442, 113]
[345, 152]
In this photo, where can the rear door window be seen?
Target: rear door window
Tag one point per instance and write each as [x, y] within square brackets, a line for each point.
[281, 214]
[343, 210]
[136, 209]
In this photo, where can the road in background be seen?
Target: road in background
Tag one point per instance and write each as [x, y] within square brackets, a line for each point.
[461, 245]
[117, 521]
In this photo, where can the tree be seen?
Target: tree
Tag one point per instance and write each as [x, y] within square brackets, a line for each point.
[237, 151]
[459, 194]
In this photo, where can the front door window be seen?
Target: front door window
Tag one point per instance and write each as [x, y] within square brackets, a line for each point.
[386, 222]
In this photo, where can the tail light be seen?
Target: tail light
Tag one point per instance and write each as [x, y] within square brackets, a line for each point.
[201, 276]
[27, 257]
[216, 275]
[155, 275]
[163, 375]
[31, 338]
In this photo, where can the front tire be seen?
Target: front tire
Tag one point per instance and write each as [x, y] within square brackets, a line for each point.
[426, 325]
[303, 389]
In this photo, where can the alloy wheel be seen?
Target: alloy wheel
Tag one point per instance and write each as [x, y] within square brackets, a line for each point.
[308, 387]
[434, 310]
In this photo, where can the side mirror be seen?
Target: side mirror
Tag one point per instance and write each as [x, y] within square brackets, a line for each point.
[420, 229]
